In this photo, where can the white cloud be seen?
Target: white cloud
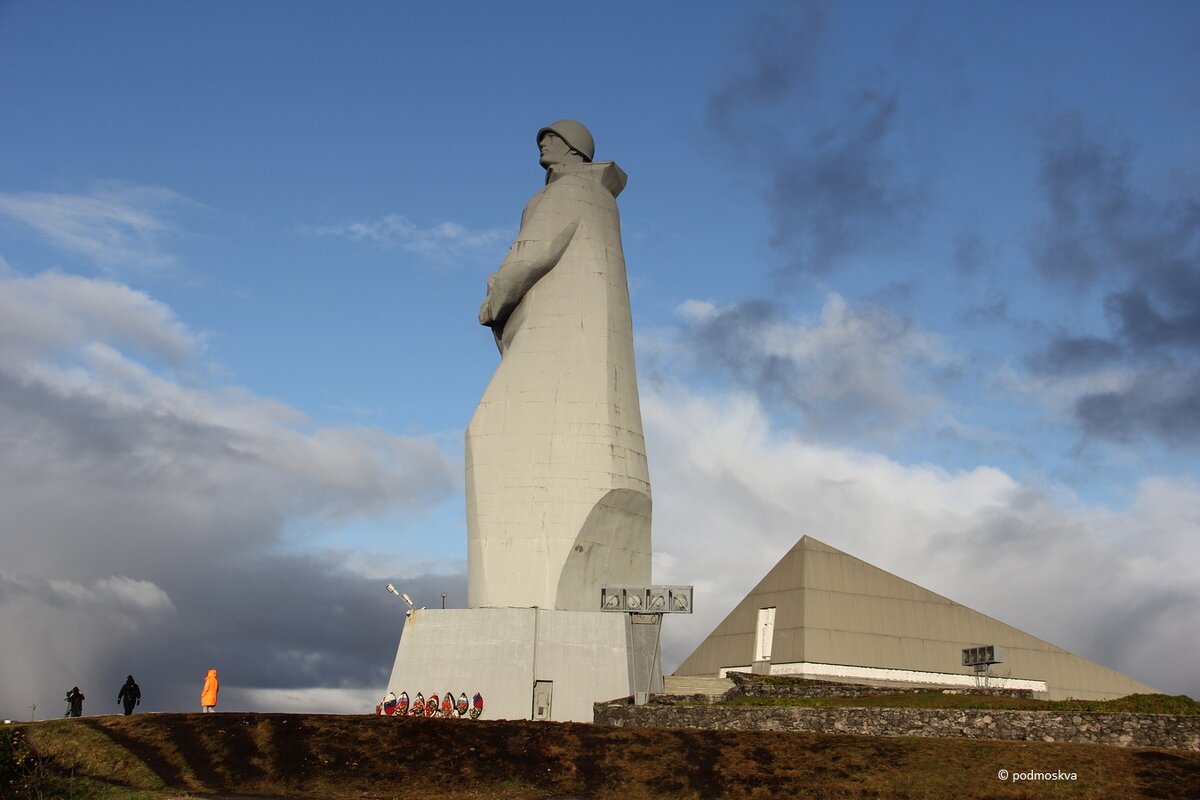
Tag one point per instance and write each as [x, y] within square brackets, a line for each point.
[115, 226]
[697, 310]
[732, 495]
[442, 243]
[129, 593]
[56, 312]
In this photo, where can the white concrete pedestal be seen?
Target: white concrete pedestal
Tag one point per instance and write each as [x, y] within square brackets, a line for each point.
[570, 659]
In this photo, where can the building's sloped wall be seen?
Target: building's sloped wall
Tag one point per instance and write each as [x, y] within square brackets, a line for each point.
[835, 609]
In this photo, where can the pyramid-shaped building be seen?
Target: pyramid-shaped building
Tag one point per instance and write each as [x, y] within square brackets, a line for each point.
[821, 613]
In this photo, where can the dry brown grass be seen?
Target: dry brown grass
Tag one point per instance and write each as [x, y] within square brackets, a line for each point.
[336, 757]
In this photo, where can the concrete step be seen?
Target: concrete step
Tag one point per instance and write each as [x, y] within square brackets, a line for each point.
[713, 687]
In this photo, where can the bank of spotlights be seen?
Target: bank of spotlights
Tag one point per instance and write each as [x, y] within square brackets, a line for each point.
[407, 600]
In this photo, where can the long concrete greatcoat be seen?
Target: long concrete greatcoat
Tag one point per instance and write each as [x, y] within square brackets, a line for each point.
[558, 490]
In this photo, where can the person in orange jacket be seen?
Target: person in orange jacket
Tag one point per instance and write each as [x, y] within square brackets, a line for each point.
[208, 696]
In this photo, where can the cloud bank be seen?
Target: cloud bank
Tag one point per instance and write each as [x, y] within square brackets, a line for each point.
[148, 513]
[733, 494]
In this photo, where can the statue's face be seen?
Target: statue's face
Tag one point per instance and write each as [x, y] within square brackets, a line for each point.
[555, 150]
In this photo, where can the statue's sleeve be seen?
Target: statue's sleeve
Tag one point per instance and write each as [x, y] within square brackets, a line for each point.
[547, 227]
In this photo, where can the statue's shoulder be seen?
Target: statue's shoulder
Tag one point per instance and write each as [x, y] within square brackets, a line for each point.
[600, 175]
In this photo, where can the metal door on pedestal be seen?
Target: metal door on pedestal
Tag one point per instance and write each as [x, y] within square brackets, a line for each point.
[543, 694]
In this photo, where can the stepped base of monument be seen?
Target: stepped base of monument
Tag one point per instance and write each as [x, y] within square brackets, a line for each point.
[529, 663]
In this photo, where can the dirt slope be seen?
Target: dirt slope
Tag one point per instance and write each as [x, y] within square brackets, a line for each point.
[300, 756]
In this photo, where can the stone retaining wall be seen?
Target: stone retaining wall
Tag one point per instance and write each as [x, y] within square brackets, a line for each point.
[1120, 730]
[746, 685]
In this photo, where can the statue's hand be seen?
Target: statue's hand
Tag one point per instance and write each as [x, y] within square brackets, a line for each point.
[486, 315]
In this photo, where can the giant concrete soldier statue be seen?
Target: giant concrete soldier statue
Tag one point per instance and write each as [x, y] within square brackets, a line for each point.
[558, 492]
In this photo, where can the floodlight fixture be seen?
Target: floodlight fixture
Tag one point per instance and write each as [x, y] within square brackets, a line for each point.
[681, 599]
[982, 656]
[407, 600]
[610, 599]
[647, 599]
[657, 601]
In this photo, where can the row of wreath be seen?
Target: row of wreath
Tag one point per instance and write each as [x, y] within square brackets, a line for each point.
[446, 707]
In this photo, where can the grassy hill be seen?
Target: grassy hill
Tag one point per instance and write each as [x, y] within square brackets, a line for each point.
[331, 757]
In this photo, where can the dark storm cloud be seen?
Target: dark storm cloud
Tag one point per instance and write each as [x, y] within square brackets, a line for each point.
[969, 253]
[1085, 187]
[1142, 253]
[149, 525]
[1164, 404]
[844, 191]
[1073, 353]
[993, 308]
[857, 370]
[284, 622]
[1109, 642]
[833, 180]
[726, 332]
[1099, 225]
[1145, 324]
[780, 58]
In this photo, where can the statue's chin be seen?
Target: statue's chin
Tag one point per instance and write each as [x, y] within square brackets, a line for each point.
[547, 163]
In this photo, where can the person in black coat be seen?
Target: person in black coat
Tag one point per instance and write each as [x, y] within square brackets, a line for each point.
[130, 695]
[75, 702]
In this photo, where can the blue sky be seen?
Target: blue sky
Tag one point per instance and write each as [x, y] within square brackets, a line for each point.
[921, 280]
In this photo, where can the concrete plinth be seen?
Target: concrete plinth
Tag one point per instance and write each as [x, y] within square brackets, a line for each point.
[570, 659]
